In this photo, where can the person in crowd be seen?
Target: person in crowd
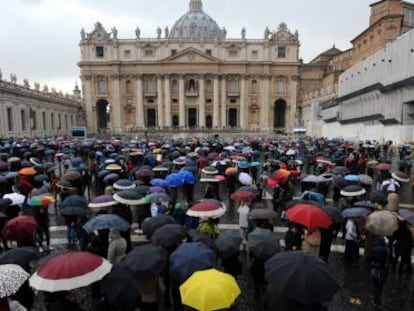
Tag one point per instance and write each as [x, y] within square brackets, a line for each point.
[403, 245]
[243, 211]
[378, 264]
[117, 247]
[293, 237]
[151, 290]
[311, 241]
[209, 227]
[351, 242]
[41, 215]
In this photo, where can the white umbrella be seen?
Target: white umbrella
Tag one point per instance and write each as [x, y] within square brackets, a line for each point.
[11, 278]
[15, 197]
[245, 179]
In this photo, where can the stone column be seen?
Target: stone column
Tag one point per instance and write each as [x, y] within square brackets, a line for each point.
[116, 105]
[167, 101]
[160, 100]
[291, 106]
[91, 123]
[223, 100]
[264, 101]
[181, 97]
[216, 107]
[243, 102]
[140, 103]
[201, 103]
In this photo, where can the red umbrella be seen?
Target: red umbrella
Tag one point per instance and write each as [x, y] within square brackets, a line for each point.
[309, 215]
[271, 183]
[19, 228]
[280, 175]
[69, 271]
[242, 196]
[383, 166]
[206, 209]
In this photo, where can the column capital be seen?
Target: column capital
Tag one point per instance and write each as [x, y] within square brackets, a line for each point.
[265, 77]
[137, 76]
[115, 76]
[86, 77]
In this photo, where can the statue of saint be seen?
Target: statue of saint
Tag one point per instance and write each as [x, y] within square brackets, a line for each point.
[224, 32]
[167, 32]
[243, 33]
[83, 35]
[267, 33]
[138, 32]
[158, 33]
[115, 33]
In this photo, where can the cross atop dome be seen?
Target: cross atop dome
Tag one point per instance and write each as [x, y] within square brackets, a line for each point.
[196, 5]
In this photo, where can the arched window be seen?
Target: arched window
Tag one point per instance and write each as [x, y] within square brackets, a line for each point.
[191, 85]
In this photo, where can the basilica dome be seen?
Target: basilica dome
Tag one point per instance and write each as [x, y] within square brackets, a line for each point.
[196, 24]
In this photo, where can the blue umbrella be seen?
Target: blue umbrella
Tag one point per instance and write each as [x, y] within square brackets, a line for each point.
[189, 258]
[159, 182]
[228, 243]
[256, 163]
[106, 221]
[353, 212]
[174, 180]
[189, 178]
[352, 178]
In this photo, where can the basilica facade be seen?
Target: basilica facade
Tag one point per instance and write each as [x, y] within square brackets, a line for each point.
[190, 76]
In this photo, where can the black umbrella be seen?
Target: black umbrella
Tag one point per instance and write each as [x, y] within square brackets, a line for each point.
[120, 288]
[352, 191]
[198, 236]
[228, 243]
[74, 205]
[21, 256]
[332, 212]
[128, 197]
[302, 277]
[151, 224]
[263, 243]
[168, 236]
[146, 261]
[262, 213]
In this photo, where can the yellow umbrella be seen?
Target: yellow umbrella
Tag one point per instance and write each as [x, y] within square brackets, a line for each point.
[209, 290]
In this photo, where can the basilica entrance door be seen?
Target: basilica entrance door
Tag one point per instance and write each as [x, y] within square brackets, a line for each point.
[209, 122]
[279, 115]
[232, 117]
[102, 114]
[151, 118]
[175, 121]
[192, 117]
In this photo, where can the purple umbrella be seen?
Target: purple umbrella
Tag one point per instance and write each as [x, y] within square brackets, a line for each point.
[156, 189]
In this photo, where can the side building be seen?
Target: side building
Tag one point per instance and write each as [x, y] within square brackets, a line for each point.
[190, 76]
[31, 112]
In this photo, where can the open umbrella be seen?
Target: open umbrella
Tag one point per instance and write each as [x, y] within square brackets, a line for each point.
[383, 167]
[400, 176]
[339, 181]
[340, 170]
[106, 221]
[121, 288]
[262, 213]
[309, 216]
[111, 178]
[228, 243]
[206, 209]
[71, 175]
[21, 256]
[159, 182]
[209, 290]
[12, 278]
[249, 188]
[355, 212]
[187, 176]
[352, 178]
[352, 191]
[333, 212]
[68, 271]
[407, 215]
[127, 197]
[365, 204]
[174, 180]
[151, 224]
[74, 205]
[146, 261]
[19, 228]
[263, 243]
[242, 195]
[194, 235]
[382, 223]
[245, 178]
[27, 171]
[41, 200]
[168, 236]
[102, 201]
[280, 175]
[124, 184]
[301, 277]
[15, 197]
[189, 258]
[313, 179]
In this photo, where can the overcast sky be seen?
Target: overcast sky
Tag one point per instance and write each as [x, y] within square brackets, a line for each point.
[39, 38]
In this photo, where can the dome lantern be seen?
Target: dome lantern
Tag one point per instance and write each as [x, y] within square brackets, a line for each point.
[196, 6]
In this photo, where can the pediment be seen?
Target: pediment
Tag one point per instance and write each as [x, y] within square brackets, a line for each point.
[191, 55]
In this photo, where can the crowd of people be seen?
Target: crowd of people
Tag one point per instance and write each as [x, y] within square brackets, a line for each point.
[142, 179]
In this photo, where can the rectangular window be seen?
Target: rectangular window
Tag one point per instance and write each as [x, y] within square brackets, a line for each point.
[71, 120]
[59, 122]
[175, 100]
[233, 53]
[23, 119]
[255, 54]
[66, 121]
[52, 121]
[281, 52]
[149, 53]
[281, 87]
[101, 86]
[99, 51]
[209, 101]
[173, 52]
[33, 123]
[10, 124]
[127, 54]
[208, 52]
[233, 101]
[44, 120]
